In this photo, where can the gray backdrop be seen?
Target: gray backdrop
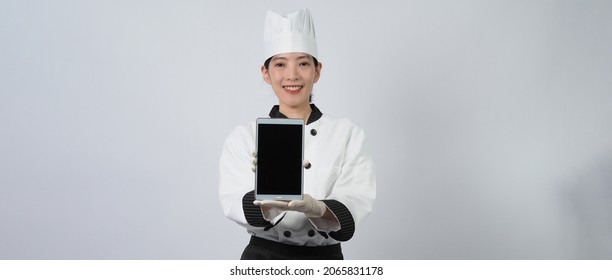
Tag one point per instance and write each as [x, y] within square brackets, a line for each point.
[489, 122]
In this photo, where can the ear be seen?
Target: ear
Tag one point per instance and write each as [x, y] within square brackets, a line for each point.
[266, 75]
[318, 72]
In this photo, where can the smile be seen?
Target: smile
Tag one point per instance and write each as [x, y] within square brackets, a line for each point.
[292, 88]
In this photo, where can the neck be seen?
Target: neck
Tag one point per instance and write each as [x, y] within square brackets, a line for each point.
[302, 112]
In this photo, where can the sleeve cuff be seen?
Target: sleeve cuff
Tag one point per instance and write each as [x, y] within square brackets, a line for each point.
[253, 213]
[344, 216]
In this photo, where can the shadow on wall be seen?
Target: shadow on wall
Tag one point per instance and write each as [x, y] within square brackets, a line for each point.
[590, 213]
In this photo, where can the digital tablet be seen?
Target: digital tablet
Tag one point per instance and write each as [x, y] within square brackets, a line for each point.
[280, 153]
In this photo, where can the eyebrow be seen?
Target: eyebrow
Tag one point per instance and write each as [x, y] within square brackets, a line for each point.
[284, 58]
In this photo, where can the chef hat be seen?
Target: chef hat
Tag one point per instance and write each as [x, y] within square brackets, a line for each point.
[293, 32]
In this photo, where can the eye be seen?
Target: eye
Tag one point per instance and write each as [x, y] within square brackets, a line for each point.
[304, 63]
[279, 64]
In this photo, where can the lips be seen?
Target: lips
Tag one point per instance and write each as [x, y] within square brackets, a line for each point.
[293, 89]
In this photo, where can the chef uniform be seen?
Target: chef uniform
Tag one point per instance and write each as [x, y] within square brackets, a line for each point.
[340, 172]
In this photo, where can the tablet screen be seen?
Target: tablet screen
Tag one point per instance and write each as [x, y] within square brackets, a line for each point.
[279, 159]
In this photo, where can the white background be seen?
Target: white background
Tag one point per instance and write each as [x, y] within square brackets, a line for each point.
[489, 122]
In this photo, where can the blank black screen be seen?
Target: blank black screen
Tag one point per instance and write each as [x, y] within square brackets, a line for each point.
[279, 159]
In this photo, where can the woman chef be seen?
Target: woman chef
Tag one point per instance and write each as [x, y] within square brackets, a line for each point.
[339, 183]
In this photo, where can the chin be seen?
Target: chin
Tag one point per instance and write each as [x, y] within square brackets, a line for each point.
[295, 104]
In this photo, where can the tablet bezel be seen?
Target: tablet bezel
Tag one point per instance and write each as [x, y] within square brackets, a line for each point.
[280, 196]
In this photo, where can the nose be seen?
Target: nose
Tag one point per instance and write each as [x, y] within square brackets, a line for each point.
[292, 73]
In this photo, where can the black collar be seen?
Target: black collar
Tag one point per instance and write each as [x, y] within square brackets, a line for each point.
[315, 115]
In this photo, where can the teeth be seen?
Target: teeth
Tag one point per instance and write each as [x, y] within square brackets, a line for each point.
[293, 88]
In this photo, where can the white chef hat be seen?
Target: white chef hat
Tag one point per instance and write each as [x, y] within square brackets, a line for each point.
[293, 32]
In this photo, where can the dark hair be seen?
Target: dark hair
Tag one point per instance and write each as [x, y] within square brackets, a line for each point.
[267, 62]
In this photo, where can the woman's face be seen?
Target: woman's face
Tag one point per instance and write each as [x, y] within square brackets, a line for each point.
[292, 76]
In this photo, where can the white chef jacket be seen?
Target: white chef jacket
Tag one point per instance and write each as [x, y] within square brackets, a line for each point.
[341, 175]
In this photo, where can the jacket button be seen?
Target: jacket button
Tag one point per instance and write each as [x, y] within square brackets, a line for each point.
[287, 234]
[311, 233]
[313, 132]
[308, 165]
